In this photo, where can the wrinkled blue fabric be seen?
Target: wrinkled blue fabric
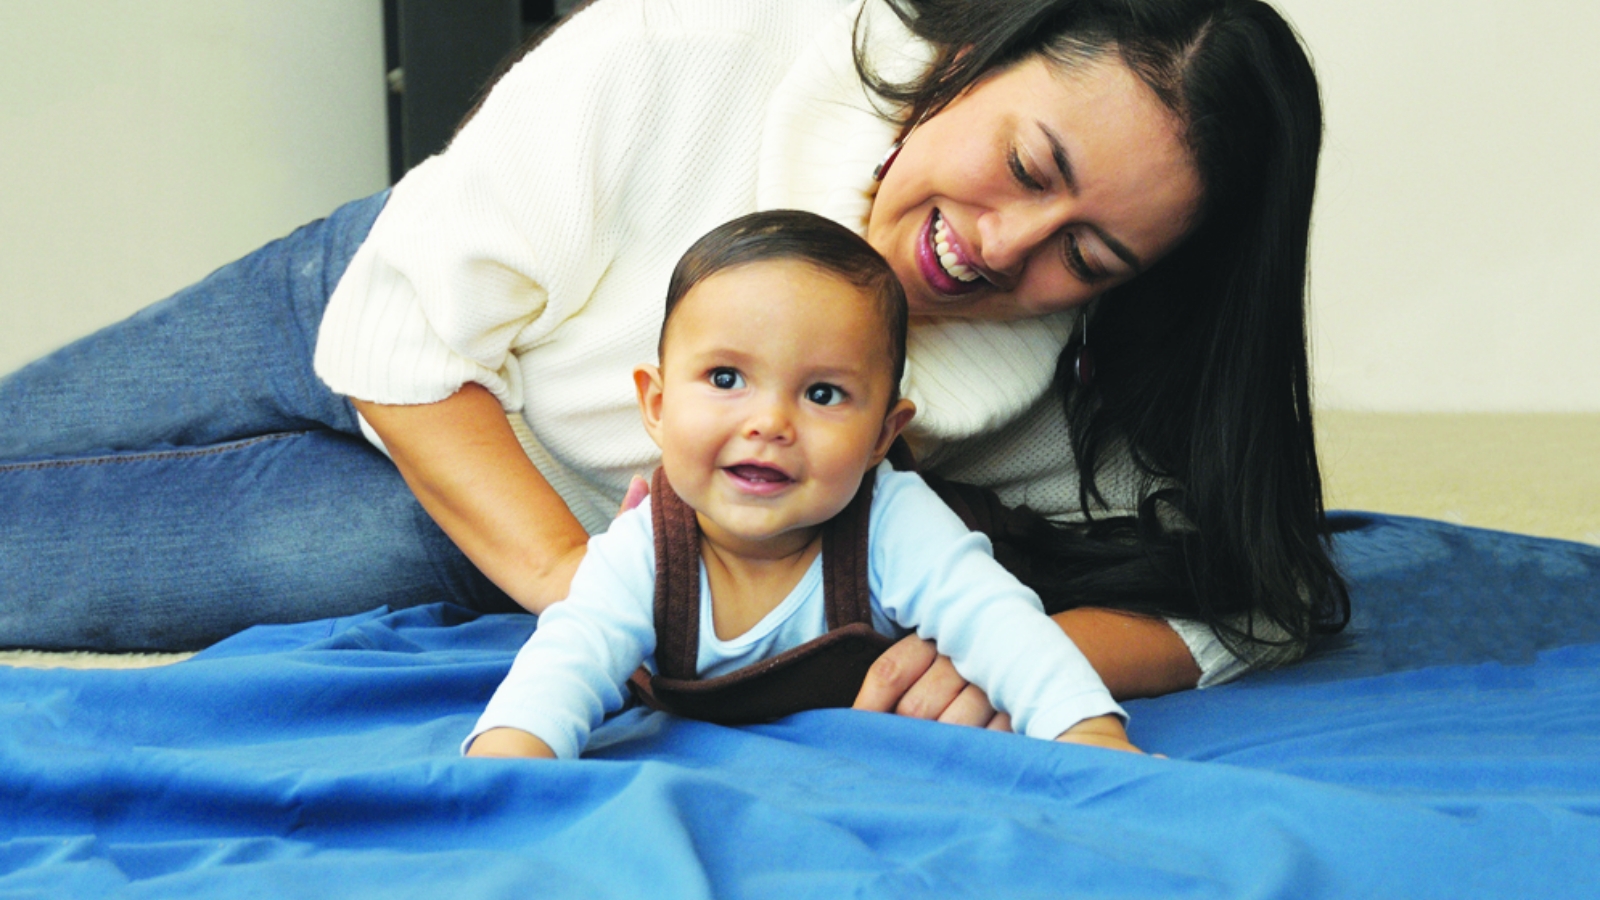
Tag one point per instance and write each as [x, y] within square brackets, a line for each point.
[1445, 746]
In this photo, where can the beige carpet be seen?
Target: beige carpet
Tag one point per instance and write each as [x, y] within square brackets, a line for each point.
[1530, 473]
[37, 659]
[1535, 474]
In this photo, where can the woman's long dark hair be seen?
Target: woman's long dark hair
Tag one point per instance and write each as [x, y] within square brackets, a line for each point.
[1201, 361]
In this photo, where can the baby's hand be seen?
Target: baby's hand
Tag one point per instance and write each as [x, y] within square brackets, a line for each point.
[509, 742]
[1100, 731]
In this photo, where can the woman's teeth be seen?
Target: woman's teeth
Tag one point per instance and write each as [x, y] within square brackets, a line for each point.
[948, 260]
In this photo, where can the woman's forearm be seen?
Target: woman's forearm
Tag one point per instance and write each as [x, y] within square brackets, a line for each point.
[1136, 656]
[468, 470]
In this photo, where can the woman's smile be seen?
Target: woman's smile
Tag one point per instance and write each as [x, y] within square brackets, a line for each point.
[944, 262]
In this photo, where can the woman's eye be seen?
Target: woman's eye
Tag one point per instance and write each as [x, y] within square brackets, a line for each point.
[824, 394]
[726, 379]
[1077, 262]
[1020, 172]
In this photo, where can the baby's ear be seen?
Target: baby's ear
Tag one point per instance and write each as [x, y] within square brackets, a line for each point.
[647, 381]
[900, 415]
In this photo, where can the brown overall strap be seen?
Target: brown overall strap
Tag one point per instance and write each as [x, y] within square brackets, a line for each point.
[845, 591]
[677, 598]
[826, 671]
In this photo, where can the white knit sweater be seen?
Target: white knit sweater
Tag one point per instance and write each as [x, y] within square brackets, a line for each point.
[532, 256]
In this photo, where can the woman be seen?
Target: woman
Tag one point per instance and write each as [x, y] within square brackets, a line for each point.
[1043, 155]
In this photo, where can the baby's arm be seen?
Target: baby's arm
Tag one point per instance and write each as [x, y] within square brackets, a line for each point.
[932, 574]
[574, 669]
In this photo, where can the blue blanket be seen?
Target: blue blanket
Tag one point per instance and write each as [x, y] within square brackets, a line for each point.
[1445, 746]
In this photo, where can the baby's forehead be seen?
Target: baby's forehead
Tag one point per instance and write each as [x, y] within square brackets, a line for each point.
[764, 284]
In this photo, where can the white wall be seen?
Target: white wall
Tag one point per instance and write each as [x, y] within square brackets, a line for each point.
[1455, 262]
[143, 143]
[147, 141]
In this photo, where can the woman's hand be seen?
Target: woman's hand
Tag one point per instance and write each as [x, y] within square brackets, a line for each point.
[912, 679]
[1136, 656]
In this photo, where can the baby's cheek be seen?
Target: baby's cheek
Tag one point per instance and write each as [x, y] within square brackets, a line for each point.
[843, 459]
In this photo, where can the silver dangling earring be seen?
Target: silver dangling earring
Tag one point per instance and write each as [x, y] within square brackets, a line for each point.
[1083, 358]
[888, 160]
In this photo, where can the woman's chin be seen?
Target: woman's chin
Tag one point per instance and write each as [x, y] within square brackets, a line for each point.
[929, 304]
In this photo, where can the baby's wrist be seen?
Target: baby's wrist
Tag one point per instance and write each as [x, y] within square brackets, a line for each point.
[509, 742]
[1106, 726]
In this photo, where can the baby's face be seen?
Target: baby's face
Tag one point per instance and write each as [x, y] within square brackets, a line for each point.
[772, 400]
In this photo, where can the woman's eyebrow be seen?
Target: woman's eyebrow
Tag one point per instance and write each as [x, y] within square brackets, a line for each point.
[1119, 248]
[1058, 152]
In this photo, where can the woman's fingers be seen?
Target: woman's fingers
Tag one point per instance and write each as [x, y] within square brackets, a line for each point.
[638, 489]
[912, 679]
[970, 707]
[894, 673]
[934, 692]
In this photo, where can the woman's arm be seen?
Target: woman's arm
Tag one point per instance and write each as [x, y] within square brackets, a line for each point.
[465, 465]
[1135, 656]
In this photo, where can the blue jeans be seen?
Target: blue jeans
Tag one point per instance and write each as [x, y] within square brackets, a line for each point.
[183, 475]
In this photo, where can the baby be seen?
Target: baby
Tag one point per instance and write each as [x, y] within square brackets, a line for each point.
[777, 392]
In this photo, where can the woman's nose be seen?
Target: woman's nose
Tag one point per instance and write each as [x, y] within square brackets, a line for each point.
[1010, 236]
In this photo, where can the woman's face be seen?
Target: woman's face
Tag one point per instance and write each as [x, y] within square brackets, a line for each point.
[1035, 191]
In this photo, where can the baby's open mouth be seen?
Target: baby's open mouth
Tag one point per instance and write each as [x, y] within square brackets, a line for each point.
[758, 474]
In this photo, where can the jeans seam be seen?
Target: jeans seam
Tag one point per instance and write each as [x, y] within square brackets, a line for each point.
[150, 456]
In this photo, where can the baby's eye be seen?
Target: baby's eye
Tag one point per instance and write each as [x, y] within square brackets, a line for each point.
[825, 394]
[727, 379]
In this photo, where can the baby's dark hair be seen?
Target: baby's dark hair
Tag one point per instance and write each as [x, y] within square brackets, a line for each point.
[807, 237]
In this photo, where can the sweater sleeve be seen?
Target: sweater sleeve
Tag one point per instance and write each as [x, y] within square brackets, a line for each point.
[574, 669]
[1219, 665]
[929, 573]
[488, 248]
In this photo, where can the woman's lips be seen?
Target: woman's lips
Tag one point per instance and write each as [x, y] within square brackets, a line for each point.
[933, 272]
[756, 478]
